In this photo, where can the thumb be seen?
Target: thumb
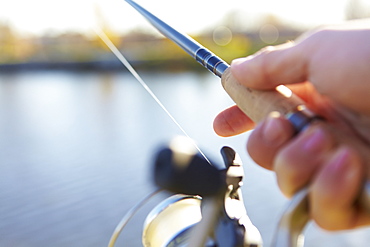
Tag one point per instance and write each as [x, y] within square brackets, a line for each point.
[272, 66]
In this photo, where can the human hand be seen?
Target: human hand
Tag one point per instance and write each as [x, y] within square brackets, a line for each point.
[329, 69]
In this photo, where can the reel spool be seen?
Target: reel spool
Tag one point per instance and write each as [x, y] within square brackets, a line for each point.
[170, 222]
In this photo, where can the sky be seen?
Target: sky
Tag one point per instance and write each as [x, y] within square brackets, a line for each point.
[191, 16]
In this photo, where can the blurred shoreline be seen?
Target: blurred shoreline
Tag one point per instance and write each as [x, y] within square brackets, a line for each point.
[72, 50]
[101, 65]
[75, 51]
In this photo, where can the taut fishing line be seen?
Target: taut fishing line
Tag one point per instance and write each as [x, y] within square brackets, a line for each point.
[125, 62]
[128, 216]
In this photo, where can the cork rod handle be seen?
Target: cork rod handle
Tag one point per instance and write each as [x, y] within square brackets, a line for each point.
[257, 104]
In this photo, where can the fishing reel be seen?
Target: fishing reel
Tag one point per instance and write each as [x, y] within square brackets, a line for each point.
[206, 209]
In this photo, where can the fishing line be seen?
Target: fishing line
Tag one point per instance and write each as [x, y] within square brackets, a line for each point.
[127, 217]
[125, 62]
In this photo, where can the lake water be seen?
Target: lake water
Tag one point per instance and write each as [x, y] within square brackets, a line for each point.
[76, 153]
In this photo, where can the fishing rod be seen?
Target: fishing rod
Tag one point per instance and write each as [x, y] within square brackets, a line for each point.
[256, 104]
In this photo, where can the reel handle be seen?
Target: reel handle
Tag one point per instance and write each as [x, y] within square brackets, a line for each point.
[180, 169]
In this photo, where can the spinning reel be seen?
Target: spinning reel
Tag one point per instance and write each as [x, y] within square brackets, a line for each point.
[207, 208]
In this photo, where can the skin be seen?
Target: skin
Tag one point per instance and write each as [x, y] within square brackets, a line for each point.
[329, 68]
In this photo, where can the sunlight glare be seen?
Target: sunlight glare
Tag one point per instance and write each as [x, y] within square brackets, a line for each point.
[284, 91]
[222, 36]
[40, 16]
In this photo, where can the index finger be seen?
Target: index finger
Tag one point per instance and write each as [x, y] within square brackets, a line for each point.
[272, 66]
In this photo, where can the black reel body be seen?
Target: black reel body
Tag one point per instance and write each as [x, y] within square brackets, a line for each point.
[207, 207]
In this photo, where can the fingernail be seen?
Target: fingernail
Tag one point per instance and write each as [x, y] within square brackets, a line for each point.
[343, 164]
[273, 130]
[239, 61]
[315, 140]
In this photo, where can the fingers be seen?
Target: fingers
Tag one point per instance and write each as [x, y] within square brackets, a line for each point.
[232, 121]
[334, 192]
[333, 171]
[268, 137]
[271, 67]
[297, 162]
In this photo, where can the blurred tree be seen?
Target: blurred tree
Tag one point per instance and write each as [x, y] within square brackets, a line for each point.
[357, 9]
[7, 43]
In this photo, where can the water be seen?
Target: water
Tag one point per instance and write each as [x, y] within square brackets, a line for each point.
[76, 151]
